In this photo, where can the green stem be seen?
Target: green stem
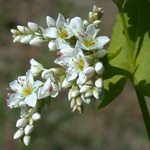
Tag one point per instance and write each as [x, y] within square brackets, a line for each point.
[144, 110]
[126, 33]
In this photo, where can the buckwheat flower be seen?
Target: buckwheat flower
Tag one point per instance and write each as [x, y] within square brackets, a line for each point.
[62, 29]
[76, 64]
[25, 90]
[49, 88]
[89, 41]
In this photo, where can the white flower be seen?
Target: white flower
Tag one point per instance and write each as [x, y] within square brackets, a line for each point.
[62, 29]
[89, 41]
[25, 89]
[75, 63]
[49, 88]
[36, 67]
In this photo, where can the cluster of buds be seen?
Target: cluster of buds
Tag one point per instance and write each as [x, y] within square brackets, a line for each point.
[79, 49]
[29, 35]
[26, 125]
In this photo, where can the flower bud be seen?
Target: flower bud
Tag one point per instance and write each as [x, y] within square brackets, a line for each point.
[74, 108]
[75, 91]
[101, 53]
[79, 101]
[85, 23]
[21, 28]
[33, 26]
[95, 10]
[36, 67]
[52, 45]
[84, 88]
[26, 140]
[96, 23]
[14, 31]
[95, 16]
[69, 94]
[17, 38]
[89, 93]
[28, 129]
[72, 104]
[88, 100]
[36, 116]
[37, 41]
[89, 72]
[90, 17]
[26, 39]
[66, 84]
[50, 21]
[19, 134]
[99, 83]
[21, 123]
[96, 93]
[99, 68]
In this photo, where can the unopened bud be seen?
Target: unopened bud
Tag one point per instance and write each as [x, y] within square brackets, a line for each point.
[90, 17]
[66, 84]
[14, 31]
[85, 23]
[26, 140]
[96, 93]
[84, 88]
[89, 93]
[52, 45]
[96, 23]
[21, 28]
[28, 129]
[37, 41]
[33, 26]
[21, 123]
[19, 134]
[50, 21]
[101, 53]
[72, 104]
[36, 116]
[69, 94]
[79, 101]
[99, 68]
[99, 83]
[26, 39]
[75, 91]
[89, 72]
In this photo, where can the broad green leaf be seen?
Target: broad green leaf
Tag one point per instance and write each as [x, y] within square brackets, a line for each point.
[138, 12]
[113, 87]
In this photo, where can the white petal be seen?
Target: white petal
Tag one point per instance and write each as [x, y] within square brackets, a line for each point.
[29, 76]
[31, 100]
[51, 32]
[103, 40]
[60, 21]
[37, 41]
[50, 21]
[46, 86]
[55, 90]
[91, 31]
[52, 45]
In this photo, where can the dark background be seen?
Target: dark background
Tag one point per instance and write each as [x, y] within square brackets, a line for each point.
[119, 126]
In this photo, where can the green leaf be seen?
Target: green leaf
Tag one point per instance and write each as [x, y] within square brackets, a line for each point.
[138, 12]
[113, 87]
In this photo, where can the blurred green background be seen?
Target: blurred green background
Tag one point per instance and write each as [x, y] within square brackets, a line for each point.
[119, 126]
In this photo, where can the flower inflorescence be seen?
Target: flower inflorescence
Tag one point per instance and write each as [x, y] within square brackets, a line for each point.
[79, 50]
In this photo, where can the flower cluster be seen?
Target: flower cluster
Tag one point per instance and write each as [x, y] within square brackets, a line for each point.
[79, 51]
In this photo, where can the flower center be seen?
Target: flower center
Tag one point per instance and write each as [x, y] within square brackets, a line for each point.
[63, 33]
[27, 91]
[88, 42]
[80, 64]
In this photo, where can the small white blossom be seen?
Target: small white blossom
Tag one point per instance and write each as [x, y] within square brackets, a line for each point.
[25, 89]
[89, 41]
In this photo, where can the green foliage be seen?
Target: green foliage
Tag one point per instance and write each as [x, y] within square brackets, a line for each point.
[113, 87]
[136, 14]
